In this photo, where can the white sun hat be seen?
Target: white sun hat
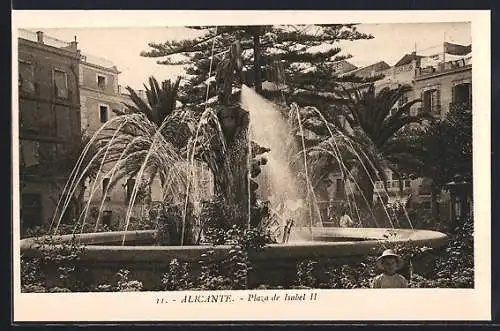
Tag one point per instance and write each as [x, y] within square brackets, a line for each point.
[387, 253]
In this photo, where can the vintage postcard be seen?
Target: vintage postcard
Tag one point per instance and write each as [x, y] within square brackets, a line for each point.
[242, 165]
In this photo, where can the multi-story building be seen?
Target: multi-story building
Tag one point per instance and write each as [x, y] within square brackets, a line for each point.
[441, 86]
[445, 85]
[100, 95]
[49, 120]
[102, 99]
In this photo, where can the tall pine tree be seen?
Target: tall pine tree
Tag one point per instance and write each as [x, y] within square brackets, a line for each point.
[288, 61]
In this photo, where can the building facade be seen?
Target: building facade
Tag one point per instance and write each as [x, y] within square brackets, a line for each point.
[102, 99]
[342, 66]
[372, 70]
[441, 85]
[444, 86]
[100, 96]
[49, 120]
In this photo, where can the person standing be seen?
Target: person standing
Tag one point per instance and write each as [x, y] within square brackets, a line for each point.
[389, 263]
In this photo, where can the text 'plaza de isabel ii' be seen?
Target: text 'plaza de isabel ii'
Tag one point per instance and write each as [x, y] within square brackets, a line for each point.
[65, 94]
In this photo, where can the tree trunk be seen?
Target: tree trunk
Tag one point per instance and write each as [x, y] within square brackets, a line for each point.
[256, 64]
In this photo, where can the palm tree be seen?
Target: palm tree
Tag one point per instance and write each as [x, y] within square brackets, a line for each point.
[160, 105]
[367, 132]
[148, 138]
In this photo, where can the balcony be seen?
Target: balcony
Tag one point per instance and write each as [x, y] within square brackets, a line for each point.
[444, 68]
[393, 186]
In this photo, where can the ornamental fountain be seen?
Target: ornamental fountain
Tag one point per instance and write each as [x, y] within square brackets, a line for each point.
[236, 159]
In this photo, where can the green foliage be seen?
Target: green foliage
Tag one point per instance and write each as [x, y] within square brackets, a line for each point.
[173, 220]
[221, 223]
[159, 108]
[123, 284]
[448, 147]
[272, 53]
[55, 259]
[212, 276]
[350, 276]
[232, 272]
[306, 274]
[177, 278]
[215, 217]
[361, 129]
[455, 267]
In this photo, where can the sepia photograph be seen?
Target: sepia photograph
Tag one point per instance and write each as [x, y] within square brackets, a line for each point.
[248, 163]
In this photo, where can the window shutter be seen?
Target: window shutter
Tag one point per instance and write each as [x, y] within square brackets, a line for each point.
[427, 100]
[438, 101]
[469, 86]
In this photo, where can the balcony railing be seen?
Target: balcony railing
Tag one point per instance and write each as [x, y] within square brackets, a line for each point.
[444, 67]
[393, 185]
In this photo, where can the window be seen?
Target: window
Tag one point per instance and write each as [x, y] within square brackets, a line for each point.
[461, 93]
[432, 101]
[103, 113]
[26, 77]
[101, 82]
[61, 83]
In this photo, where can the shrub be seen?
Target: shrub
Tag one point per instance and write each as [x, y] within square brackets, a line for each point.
[177, 278]
[124, 284]
[55, 258]
[306, 274]
[233, 271]
[170, 221]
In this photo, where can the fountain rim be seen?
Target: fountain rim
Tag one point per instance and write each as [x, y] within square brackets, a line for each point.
[95, 251]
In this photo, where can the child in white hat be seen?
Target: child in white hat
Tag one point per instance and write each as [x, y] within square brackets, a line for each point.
[389, 262]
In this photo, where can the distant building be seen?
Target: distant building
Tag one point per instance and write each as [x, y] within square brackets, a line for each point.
[372, 70]
[100, 96]
[403, 72]
[102, 99]
[342, 66]
[444, 86]
[442, 82]
[49, 120]
[441, 85]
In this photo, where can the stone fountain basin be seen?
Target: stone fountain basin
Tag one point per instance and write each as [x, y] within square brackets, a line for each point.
[323, 243]
[326, 242]
[104, 253]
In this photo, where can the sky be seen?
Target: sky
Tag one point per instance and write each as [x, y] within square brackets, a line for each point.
[124, 45]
